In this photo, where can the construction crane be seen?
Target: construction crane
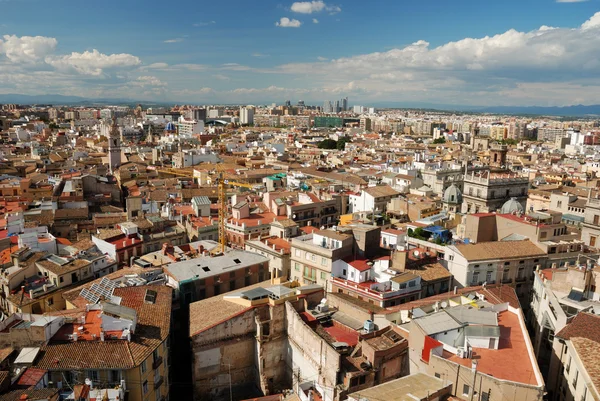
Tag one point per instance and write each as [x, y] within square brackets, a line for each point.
[222, 192]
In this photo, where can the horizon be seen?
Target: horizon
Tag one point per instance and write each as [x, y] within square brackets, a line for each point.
[311, 50]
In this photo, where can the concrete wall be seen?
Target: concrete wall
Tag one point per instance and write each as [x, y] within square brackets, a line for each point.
[311, 357]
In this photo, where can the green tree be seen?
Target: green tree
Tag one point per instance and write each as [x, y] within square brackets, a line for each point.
[327, 144]
[341, 143]
[439, 140]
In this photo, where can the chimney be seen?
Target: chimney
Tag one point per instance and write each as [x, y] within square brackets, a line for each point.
[101, 336]
[455, 290]
[75, 336]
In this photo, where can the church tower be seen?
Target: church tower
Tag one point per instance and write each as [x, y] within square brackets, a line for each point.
[114, 147]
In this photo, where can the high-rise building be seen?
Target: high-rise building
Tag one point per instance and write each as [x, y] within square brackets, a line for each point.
[246, 115]
[198, 115]
[327, 107]
[344, 104]
[358, 109]
[336, 106]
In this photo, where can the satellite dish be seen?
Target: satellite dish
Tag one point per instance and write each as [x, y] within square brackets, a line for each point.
[444, 305]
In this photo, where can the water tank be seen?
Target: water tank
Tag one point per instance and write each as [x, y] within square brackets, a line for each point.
[369, 326]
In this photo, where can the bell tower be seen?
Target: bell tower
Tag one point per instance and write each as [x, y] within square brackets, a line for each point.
[114, 147]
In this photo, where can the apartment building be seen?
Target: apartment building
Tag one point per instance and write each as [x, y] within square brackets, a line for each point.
[313, 255]
[590, 228]
[574, 367]
[506, 262]
[486, 191]
[287, 336]
[372, 199]
[473, 340]
[558, 295]
[206, 276]
[118, 344]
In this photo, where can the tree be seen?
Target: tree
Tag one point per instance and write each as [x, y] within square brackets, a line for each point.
[341, 143]
[439, 140]
[327, 144]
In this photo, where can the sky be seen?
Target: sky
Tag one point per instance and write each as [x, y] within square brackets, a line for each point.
[465, 52]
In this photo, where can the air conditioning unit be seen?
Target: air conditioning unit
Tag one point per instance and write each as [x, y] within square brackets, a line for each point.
[460, 352]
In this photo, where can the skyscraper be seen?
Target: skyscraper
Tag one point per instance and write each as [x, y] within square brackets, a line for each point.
[344, 103]
[246, 115]
[336, 106]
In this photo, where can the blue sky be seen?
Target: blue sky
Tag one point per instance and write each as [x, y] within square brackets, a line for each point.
[431, 51]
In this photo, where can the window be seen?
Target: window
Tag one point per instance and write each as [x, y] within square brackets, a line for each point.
[412, 283]
[298, 253]
[323, 276]
[596, 219]
[145, 386]
[93, 375]
[485, 396]
[50, 301]
[323, 262]
[437, 375]
[61, 279]
[307, 256]
[466, 389]
[144, 367]
[157, 394]
[297, 267]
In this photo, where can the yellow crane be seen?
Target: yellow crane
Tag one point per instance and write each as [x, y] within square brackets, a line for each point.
[221, 188]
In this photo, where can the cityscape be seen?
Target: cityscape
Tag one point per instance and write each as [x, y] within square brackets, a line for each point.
[211, 209]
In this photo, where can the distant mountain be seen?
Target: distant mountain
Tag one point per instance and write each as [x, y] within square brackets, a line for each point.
[57, 99]
[576, 110]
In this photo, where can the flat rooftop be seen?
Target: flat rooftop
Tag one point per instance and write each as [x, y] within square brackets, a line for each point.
[409, 388]
[208, 266]
[501, 363]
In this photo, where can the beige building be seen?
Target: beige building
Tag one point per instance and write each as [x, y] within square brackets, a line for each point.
[313, 255]
[487, 191]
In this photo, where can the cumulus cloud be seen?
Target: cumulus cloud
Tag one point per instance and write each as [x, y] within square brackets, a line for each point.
[205, 23]
[316, 6]
[92, 63]
[149, 80]
[285, 22]
[26, 49]
[175, 40]
[235, 67]
[315, 21]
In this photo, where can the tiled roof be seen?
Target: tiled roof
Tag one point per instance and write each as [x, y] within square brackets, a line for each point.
[499, 250]
[588, 351]
[583, 325]
[32, 395]
[152, 329]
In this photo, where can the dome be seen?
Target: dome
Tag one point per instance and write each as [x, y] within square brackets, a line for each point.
[511, 206]
[452, 195]
[170, 126]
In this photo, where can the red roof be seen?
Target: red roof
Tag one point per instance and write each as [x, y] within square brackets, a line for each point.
[31, 377]
[360, 264]
[430, 343]
[342, 333]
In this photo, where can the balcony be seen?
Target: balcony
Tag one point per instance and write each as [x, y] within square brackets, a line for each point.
[157, 362]
[521, 279]
[507, 280]
[158, 382]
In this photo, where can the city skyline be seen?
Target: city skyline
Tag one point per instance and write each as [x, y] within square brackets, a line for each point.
[399, 53]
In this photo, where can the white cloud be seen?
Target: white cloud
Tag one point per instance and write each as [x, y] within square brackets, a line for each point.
[221, 77]
[285, 22]
[156, 66]
[308, 7]
[592, 23]
[148, 80]
[315, 21]
[235, 67]
[191, 67]
[175, 40]
[92, 63]
[26, 49]
[260, 55]
[316, 6]
[205, 23]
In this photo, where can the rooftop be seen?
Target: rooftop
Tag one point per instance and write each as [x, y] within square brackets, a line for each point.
[499, 250]
[208, 266]
[512, 347]
[417, 386]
